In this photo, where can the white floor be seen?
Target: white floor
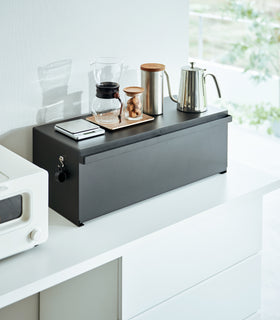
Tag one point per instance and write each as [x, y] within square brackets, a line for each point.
[264, 153]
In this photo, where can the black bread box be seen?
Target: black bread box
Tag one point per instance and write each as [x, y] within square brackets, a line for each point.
[109, 172]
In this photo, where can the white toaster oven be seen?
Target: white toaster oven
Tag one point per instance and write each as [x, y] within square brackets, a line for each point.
[23, 204]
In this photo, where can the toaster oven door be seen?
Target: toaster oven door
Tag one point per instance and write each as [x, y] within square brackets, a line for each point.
[10, 208]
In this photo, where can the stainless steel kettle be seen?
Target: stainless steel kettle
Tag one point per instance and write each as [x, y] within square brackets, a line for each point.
[192, 90]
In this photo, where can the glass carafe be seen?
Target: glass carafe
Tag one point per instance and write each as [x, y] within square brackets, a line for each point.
[107, 105]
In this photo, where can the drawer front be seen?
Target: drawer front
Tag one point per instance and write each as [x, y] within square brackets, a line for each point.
[178, 257]
[232, 295]
[118, 178]
[92, 295]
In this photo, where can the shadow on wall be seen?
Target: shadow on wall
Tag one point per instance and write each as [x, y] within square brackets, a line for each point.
[57, 103]
[91, 89]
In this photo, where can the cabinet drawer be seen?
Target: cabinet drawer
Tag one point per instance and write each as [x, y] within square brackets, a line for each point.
[178, 257]
[232, 295]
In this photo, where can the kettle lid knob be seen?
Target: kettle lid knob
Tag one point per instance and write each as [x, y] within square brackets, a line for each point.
[192, 63]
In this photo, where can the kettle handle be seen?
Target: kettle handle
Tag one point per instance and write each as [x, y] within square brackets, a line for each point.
[216, 83]
[169, 88]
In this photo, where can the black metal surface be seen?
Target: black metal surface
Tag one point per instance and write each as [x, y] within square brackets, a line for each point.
[63, 197]
[127, 166]
[172, 120]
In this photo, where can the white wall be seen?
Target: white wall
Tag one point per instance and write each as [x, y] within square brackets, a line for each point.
[35, 33]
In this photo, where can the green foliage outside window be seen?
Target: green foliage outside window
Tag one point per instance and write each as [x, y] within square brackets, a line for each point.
[259, 48]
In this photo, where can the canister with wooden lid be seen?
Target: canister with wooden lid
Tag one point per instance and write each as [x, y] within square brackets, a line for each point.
[133, 103]
[152, 82]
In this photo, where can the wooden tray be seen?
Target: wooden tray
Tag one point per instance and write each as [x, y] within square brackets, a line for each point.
[125, 122]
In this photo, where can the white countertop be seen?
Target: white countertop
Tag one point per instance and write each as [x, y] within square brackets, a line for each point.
[71, 250]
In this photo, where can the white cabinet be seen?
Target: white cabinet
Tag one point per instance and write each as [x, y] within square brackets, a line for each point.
[92, 295]
[232, 295]
[176, 258]
[26, 309]
[188, 254]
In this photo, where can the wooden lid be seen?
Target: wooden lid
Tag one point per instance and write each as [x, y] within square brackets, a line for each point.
[153, 67]
[133, 90]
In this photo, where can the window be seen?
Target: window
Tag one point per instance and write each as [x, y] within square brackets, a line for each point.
[239, 41]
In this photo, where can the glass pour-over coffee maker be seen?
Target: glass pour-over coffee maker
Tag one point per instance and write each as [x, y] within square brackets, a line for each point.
[107, 105]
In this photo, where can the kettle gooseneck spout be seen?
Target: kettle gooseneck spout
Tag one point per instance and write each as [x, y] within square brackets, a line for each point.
[169, 88]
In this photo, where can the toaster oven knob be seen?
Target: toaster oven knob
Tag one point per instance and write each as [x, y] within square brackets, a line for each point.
[35, 234]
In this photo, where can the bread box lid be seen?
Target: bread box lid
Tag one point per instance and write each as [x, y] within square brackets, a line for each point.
[171, 121]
